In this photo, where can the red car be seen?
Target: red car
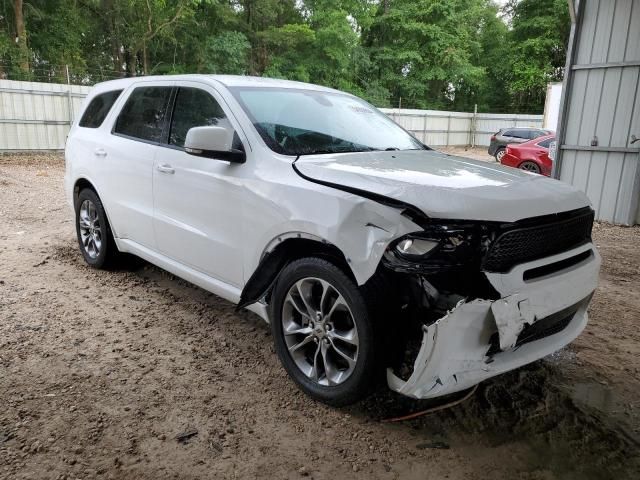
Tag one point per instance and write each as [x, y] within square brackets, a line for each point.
[532, 156]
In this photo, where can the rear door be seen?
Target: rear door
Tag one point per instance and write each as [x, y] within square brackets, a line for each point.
[198, 202]
[128, 156]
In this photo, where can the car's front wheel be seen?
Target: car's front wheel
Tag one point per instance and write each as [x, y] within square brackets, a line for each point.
[323, 331]
[94, 234]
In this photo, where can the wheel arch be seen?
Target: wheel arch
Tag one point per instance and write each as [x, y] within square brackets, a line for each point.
[82, 183]
[283, 250]
[79, 185]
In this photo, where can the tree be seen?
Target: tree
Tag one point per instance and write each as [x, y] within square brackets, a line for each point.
[423, 49]
[538, 39]
[446, 54]
[228, 53]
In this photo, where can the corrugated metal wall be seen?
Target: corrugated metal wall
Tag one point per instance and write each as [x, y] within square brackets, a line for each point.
[439, 128]
[36, 116]
[602, 109]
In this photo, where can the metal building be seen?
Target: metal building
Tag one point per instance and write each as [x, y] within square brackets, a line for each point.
[599, 125]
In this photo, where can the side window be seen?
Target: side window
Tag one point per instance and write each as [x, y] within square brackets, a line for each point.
[98, 109]
[193, 108]
[509, 133]
[546, 143]
[143, 115]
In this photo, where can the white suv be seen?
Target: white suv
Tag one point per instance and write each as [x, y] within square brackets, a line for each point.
[367, 251]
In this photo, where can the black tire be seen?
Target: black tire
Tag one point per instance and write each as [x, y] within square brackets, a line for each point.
[530, 166]
[499, 154]
[363, 376]
[107, 254]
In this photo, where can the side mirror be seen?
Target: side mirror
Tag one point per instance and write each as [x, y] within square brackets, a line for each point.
[213, 142]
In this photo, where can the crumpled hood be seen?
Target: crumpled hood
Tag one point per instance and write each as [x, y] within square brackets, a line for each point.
[446, 186]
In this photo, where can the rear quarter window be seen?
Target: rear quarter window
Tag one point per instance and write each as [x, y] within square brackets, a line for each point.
[515, 134]
[545, 143]
[98, 109]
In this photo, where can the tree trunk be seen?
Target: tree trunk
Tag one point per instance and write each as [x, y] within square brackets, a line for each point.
[145, 59]
[131, 58]
[21, 36]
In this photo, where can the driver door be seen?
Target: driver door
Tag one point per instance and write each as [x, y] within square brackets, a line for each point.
[198, 202]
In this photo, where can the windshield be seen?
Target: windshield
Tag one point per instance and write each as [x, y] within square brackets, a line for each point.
[305, 122]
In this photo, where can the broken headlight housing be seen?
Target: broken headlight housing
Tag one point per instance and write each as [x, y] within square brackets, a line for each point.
[440, 247]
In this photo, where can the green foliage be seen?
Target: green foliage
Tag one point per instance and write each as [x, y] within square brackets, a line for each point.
[447, 54]
[227, 53]
[539, 35]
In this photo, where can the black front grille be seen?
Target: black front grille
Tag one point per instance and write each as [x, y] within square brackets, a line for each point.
[538, 238]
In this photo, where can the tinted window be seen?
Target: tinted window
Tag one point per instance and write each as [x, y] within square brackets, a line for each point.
[193, 108]
[536, 133]
[143, 114]
[98, 109]
[546, 143]
[518, 134]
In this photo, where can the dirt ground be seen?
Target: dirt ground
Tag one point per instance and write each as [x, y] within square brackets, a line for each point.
[477, 153]
[135, 374]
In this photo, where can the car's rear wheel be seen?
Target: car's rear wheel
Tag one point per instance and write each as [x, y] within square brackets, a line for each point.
[323, 331]
[92, 228]
[530, 166]
[500, 153]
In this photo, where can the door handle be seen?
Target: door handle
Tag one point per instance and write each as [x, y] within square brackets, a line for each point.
[166, 169]
[100, 152]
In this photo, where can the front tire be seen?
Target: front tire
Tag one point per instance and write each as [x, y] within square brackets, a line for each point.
[93, 231]
[323, 331]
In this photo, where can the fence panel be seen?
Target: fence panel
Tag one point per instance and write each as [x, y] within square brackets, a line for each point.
[440, 128]
[37, 116]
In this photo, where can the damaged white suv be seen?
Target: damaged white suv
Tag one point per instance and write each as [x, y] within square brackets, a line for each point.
[367, 251]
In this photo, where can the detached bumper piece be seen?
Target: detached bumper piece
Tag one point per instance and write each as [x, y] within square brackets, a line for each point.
[479, 339]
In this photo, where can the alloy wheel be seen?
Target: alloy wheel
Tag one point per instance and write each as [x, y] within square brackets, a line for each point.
[319, 331]
[90, 229]
[530, 167]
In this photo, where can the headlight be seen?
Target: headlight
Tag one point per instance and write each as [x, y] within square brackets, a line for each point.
[415, 247]
[440, 247]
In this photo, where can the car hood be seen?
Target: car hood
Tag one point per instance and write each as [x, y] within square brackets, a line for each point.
[445, 186]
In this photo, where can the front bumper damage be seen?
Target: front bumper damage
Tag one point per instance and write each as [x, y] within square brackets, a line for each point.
[479, 339]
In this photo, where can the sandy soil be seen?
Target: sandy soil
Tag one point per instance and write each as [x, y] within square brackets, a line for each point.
[135, 374]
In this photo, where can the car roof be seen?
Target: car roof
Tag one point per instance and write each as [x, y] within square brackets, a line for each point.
[226, 80]
[523, 128]
[533, 141]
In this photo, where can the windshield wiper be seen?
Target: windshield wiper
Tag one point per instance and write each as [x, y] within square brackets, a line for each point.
[321, 151]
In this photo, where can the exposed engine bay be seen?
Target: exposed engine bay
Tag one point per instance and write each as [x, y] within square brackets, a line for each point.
[461, 321]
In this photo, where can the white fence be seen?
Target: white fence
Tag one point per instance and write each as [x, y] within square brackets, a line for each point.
[440, 128]
[37, 116]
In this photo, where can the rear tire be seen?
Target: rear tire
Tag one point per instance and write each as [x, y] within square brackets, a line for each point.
[93, 231]
[324, 331]
[530, 166]
[500, 153]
